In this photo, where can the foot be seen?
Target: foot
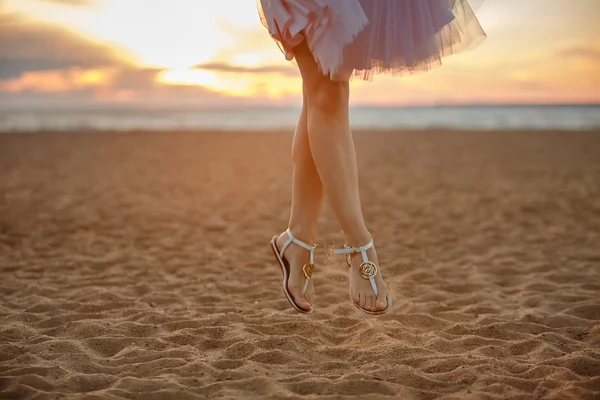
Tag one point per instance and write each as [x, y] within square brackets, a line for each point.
[360, 289]
[297, 256]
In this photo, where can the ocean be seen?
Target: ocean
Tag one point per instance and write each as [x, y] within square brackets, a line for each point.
[567, 117]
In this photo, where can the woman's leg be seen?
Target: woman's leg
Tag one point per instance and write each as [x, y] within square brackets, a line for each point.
[307, 198]
[333, 152]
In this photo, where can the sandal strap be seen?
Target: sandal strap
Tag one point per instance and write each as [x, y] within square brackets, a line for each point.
[347, 250]
[305, 287]
[306, 246]
[353, 250]
[292, 239]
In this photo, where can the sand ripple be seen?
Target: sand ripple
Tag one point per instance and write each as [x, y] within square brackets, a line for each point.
[120, 278]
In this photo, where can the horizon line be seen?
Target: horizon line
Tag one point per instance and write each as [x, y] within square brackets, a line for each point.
[142, 108]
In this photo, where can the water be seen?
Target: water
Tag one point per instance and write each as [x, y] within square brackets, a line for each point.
[584, 117]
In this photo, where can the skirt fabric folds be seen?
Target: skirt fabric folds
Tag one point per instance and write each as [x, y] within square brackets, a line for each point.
[367, 37]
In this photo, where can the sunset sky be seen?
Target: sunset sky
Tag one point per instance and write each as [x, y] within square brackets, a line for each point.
[201, 53]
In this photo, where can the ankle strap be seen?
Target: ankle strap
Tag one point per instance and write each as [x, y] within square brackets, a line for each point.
[353, 250]
[292, 239]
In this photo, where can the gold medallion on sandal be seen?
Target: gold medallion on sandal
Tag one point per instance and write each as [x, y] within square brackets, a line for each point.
[308, 270]
[368, 269]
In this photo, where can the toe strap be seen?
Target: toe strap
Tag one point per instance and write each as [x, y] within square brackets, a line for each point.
[308, 270]
[373, 285]
[305, 288]
[368, 269]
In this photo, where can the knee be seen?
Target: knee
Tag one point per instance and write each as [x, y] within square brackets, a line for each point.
[329, 97]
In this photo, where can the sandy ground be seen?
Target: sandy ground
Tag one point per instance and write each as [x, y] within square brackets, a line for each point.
[138, 266]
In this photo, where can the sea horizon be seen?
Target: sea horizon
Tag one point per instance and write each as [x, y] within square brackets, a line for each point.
[480, 116]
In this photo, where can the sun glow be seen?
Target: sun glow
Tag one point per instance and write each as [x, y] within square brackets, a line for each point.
[157, 33]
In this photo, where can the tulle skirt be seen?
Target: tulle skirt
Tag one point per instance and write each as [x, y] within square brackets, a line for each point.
[367, 37]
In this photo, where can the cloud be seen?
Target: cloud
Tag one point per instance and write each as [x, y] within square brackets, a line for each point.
[44, 65]
[161, 96]
[590, 53]
[121, 86]
[136, 78]
[27, 46]
[267, 69]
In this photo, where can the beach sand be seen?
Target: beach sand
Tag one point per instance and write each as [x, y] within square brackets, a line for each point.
[138, 266]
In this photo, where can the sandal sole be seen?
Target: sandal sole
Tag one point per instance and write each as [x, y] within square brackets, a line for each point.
[285, 267]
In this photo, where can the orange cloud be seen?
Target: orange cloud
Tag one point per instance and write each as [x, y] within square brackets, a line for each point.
[586, 52]
[287, 70]
[132, 87]
[56, 81]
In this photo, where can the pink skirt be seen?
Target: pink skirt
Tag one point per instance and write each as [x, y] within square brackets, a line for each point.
[367, 37]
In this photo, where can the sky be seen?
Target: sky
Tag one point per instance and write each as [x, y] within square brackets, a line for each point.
[201, 53]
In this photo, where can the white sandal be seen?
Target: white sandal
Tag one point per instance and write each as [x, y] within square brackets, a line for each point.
[307, 269]
[368, 270]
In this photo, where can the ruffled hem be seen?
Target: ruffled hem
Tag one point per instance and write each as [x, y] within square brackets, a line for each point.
[372, 37]
[412, 36]
[327, 27]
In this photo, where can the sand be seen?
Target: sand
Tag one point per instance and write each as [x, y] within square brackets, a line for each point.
[137, 266]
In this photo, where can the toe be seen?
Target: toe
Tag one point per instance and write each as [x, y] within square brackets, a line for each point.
[303, 304]
[362, 300]
[311, 296]
[366, 302]
[381, 302]
[302, 301]
[372, 302]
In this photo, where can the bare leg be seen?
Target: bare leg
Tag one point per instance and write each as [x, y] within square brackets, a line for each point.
[334, 155]
[307, 199]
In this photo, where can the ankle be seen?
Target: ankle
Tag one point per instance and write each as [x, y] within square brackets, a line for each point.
[307, 235]
[357, 238]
